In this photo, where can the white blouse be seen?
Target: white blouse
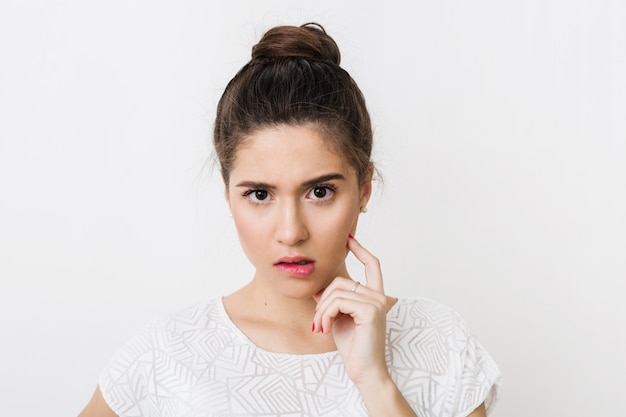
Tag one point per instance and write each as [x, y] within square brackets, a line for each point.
[196, 362]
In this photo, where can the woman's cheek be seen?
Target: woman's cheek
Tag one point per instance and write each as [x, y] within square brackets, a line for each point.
[341, 226]
[250, 235]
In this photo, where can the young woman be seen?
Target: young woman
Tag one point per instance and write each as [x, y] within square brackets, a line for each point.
[293, 138]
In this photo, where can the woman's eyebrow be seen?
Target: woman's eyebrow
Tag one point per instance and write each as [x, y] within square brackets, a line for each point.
[308, 183]
[323, 178]
[255, 185]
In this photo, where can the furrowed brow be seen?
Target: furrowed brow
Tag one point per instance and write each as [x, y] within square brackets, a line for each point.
[323, 178]
[255, 185]
[308, 183]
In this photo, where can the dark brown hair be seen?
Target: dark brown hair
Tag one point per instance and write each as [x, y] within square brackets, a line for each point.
[294, 78]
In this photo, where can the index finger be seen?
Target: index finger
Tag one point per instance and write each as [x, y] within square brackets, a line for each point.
[373, 273]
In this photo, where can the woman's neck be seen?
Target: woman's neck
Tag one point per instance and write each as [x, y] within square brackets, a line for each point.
[275, 322]
[257, 301]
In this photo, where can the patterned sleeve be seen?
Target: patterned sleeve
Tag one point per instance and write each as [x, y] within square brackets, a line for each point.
[124, 381]
[479, 379]
[436, 362]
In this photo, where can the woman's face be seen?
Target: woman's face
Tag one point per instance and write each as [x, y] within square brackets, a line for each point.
[294, 200]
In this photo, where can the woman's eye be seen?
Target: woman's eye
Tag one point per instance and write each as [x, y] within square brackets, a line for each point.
[260, 195]
[321, 193]
[257, 196]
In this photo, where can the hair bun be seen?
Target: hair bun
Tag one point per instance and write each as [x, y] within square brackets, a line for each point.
[308, 41]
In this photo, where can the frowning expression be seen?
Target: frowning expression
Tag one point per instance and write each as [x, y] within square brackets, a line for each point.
[294, 200]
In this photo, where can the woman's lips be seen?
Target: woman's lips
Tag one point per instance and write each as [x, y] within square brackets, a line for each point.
[296, 266]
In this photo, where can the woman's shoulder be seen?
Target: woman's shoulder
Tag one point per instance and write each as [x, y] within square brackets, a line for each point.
[182, 341]
[191, 321]
[424, 313]
[200, 314]
[198, 320]
[429, 338]
[177, 334]
[422, 328]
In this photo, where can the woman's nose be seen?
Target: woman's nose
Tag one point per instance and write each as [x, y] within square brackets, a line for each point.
[291, 227]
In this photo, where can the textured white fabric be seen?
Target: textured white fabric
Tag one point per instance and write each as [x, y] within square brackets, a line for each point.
[197, 363]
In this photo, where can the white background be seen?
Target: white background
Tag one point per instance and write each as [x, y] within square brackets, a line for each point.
[500, 131]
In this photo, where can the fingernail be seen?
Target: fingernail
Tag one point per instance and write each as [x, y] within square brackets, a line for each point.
[350, 236]
[313, 327]
[322, 329]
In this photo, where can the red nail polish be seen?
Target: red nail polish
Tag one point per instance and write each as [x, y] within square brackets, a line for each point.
[350, 236]
[322, 329]
[313, 327]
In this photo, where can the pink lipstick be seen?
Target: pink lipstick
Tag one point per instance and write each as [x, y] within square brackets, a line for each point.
[296, 266]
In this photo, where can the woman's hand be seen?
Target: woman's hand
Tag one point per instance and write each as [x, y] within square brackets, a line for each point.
[356, 315]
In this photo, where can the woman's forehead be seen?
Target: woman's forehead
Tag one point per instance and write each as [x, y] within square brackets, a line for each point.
[281, 152]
